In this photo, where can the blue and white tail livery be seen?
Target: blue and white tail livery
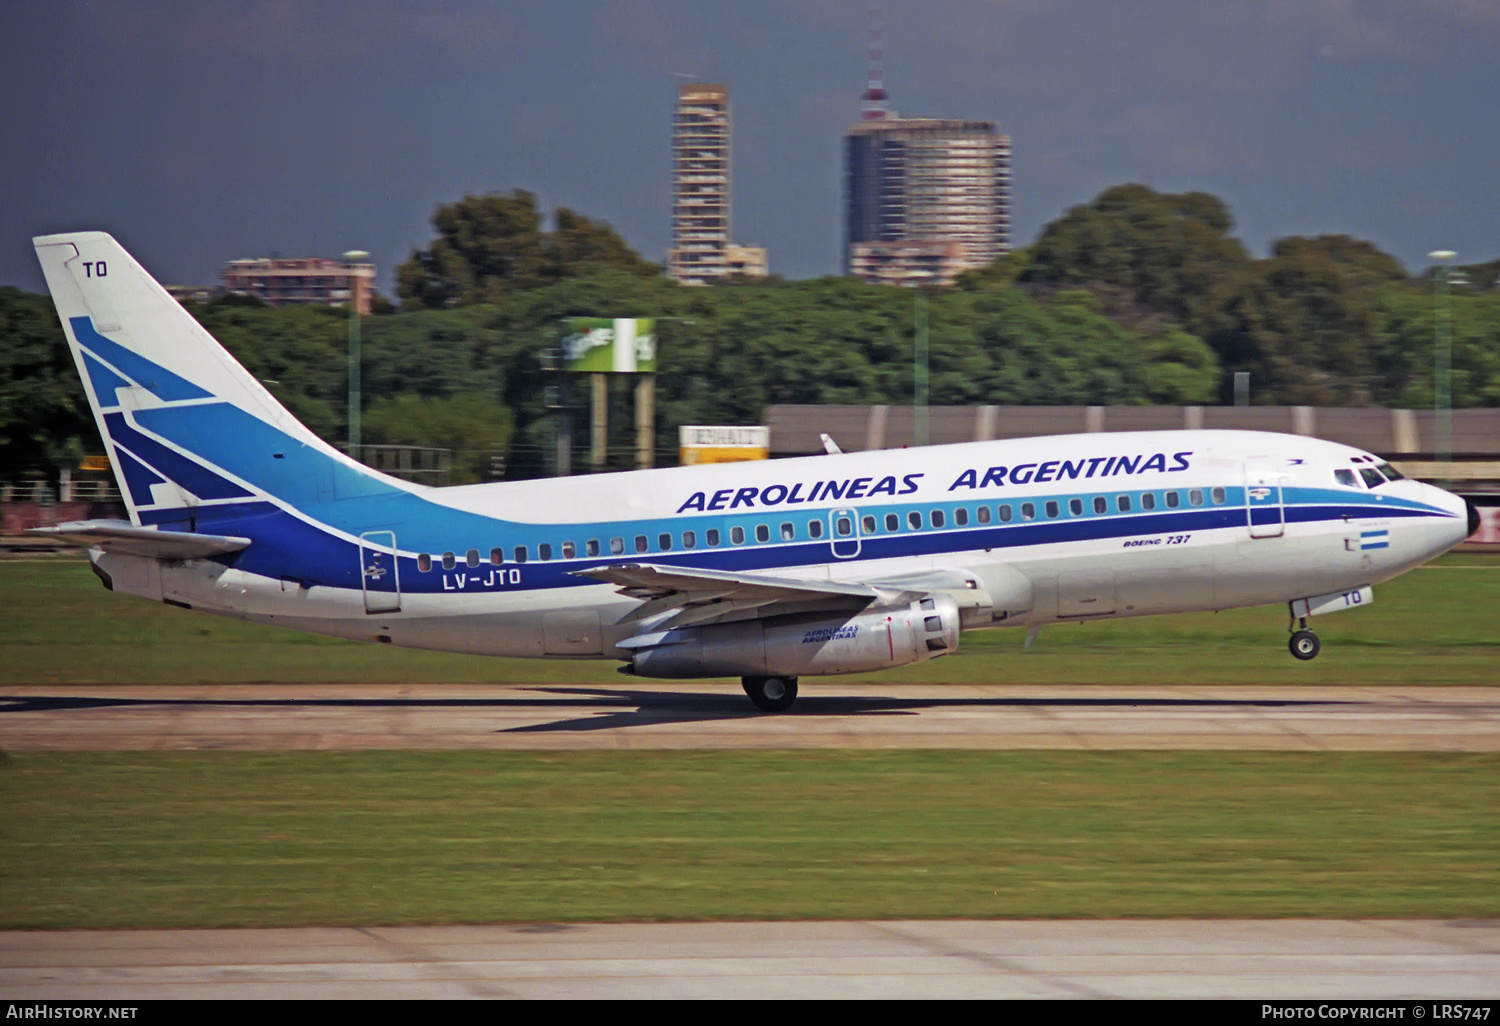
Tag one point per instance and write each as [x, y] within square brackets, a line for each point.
[764, 571]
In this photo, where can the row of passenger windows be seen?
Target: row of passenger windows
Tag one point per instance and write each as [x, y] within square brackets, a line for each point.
[843, 527]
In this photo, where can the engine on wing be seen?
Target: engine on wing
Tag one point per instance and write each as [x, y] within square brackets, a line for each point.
[874, 639]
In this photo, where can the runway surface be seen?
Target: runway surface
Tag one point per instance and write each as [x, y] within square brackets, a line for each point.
[718, 716]
[1259, 959]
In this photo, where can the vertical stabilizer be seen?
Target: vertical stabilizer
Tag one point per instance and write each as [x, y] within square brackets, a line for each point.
[186, 426]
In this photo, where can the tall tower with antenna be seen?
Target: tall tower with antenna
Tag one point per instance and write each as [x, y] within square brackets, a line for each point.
[924, 198]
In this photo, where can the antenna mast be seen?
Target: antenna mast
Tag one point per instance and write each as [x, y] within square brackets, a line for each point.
[876, 106]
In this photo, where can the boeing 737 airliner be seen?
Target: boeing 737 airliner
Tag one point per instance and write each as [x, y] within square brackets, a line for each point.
[764, 571]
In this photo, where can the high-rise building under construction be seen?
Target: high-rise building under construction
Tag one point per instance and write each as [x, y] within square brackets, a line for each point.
[701, 251]
[924, 198]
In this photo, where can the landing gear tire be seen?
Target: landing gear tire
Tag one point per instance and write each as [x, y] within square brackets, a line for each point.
[1304, 645]
[771, 694]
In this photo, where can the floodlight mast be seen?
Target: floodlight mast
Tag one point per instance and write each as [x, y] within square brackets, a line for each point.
[1442, 362]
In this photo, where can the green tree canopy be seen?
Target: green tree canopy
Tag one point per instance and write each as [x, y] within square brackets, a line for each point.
[491, 245]
[1173, 252]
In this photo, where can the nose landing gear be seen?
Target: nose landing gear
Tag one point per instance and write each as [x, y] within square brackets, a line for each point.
[1303, 643]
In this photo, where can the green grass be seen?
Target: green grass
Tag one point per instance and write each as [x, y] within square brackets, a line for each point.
[1435, 625]
[222, 839]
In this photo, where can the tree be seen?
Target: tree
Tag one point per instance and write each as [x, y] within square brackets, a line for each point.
[1172, 251]
[472, 424]
[1305, 321]
[493, 245]
[44, 416]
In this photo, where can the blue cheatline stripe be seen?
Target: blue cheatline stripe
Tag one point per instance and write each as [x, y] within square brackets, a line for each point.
[287, 545]
[180, 470]
[153, 377]
[105, 382]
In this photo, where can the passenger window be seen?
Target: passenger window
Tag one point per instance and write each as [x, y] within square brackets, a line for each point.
[1172, 500]
[1195, 497]
[1148, 500]
[544, 552]
[591, 546]
[1372, 477]
[641, 544]
[569, 550]
[712, 537]
[472, 557]
[1123, 502]
[664, 542]
[1028, 511]
[1004, 514]
[868, 523]
[617, 546]
[762, 533]
[424, 562]
[1218, 496]
[497, 556]
[938, 519]
[843, 527]
[689, 540]
[737, 535]
[788, 532]
[1346, 478]
[1051, 509]
[983, 514]
[448, 561]
[914, 520]
[815, 528]
[960, 517]
[1100, 505]
[1075, 507]
[520, 553]
[892, 522]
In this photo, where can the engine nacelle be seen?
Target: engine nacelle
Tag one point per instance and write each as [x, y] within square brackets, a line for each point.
[874, 639]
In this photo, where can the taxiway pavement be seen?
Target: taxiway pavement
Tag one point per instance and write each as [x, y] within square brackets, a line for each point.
[1262, 960]
[662, 715]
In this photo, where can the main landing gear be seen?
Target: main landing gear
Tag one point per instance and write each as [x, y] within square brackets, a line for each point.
[1303, 642]
[771, 694]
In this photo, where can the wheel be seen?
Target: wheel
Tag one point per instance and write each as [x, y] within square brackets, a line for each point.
[1304, 644]
[771, 694]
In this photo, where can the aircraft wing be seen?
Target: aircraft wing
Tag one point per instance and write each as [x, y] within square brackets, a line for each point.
[704, 595]
[122, 536]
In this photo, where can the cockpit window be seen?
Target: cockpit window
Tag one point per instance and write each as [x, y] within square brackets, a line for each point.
[1372, 477]
[1389, 471]
[1346, 478]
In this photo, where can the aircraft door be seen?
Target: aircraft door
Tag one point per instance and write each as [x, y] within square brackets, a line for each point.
[843, 532]
[379, 574]
[1263, 498]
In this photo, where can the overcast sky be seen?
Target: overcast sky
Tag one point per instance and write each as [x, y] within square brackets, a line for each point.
[202, 131]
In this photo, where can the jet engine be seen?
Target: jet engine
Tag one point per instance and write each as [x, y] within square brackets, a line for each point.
[873, 639]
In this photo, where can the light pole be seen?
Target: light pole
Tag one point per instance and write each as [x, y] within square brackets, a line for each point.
[919, 426]
[351, 258]
[1442, 360]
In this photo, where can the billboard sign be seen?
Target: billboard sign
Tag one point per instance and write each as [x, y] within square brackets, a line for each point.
[719, 443]
[603, 345]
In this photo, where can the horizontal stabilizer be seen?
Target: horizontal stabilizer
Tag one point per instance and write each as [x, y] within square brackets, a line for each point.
[121, 536]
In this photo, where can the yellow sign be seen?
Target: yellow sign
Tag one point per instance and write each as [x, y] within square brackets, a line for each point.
[711, 443]
[94, 463]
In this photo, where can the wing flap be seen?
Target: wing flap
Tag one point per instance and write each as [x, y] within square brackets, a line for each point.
[704, 595]
[122, 536]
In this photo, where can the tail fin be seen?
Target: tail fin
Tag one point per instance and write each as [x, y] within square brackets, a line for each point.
[186, 426]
